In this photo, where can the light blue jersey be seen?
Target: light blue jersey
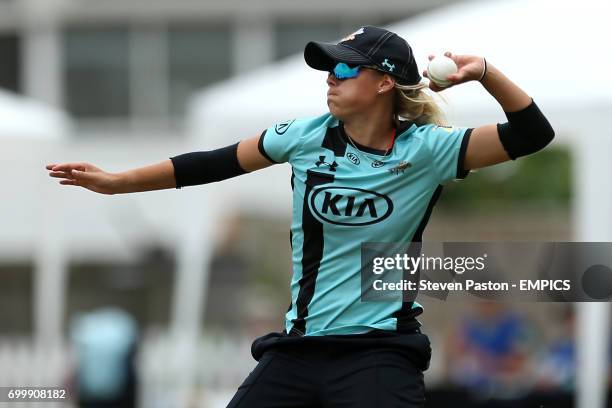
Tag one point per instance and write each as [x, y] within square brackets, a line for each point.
[343, 196]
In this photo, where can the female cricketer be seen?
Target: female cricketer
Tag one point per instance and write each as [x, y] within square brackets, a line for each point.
[369, 170]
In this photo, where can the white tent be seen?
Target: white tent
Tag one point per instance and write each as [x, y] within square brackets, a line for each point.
[30, 124]
[37, 214]
[555, 50]
[27, 129]
[26, 118]
[52, 225]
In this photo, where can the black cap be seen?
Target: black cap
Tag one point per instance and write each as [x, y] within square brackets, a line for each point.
[367, 46]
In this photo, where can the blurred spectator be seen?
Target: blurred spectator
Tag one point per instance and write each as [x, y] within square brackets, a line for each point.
[105, 343]
[557, 369]
[490, 353]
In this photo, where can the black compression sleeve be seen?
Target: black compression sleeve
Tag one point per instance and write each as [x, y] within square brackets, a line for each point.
[195, 168]
[526, 131]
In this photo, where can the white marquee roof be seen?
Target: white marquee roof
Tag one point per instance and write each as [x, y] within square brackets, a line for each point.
[27, 118]
[554, 50]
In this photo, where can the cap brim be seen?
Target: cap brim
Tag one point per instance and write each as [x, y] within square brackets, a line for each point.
[324, 56]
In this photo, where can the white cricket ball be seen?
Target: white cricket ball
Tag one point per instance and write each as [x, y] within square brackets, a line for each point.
[439, 68]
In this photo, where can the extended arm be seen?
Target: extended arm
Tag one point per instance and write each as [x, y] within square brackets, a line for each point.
[188, 169]
[152, 177]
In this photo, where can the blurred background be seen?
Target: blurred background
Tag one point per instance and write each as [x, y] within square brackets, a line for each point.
[153, 299]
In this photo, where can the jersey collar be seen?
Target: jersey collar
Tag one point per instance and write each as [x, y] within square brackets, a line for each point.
[403, 127]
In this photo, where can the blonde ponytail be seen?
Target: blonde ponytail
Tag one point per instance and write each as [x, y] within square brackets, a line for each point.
[412, 103]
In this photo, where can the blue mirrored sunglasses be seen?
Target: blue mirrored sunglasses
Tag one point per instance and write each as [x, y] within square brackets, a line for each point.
[343, 71]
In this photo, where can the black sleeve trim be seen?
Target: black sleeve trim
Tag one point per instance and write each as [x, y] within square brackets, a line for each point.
[461, 172]
[195, 168]
[260, 146]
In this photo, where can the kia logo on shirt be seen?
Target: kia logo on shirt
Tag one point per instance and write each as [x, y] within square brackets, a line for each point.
[353, 158]
[350, 206]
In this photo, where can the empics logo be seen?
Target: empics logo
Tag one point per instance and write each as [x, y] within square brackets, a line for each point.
[350, 206]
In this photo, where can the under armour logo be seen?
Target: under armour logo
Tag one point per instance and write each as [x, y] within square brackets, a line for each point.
[388, 65]
[399, 169]
[332, 166]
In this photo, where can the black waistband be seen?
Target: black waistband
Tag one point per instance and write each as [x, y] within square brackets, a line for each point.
[413, 343]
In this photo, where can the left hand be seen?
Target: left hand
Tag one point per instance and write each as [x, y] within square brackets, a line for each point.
[469, 68]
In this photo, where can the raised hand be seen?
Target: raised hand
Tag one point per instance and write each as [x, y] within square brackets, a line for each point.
[469, 68]
[84, 175]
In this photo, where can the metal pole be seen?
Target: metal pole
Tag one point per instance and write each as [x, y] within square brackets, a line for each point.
[593, 222]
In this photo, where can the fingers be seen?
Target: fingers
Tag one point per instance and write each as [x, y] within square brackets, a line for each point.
[66, 172]
[66, 166]
[62, 170]
[60, 174]
[70, 173]
[57, 171]
[82, 175]
[73, 177]
[451, 56]
[446, 54]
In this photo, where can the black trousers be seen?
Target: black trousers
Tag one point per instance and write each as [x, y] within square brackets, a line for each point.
[342, 374]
